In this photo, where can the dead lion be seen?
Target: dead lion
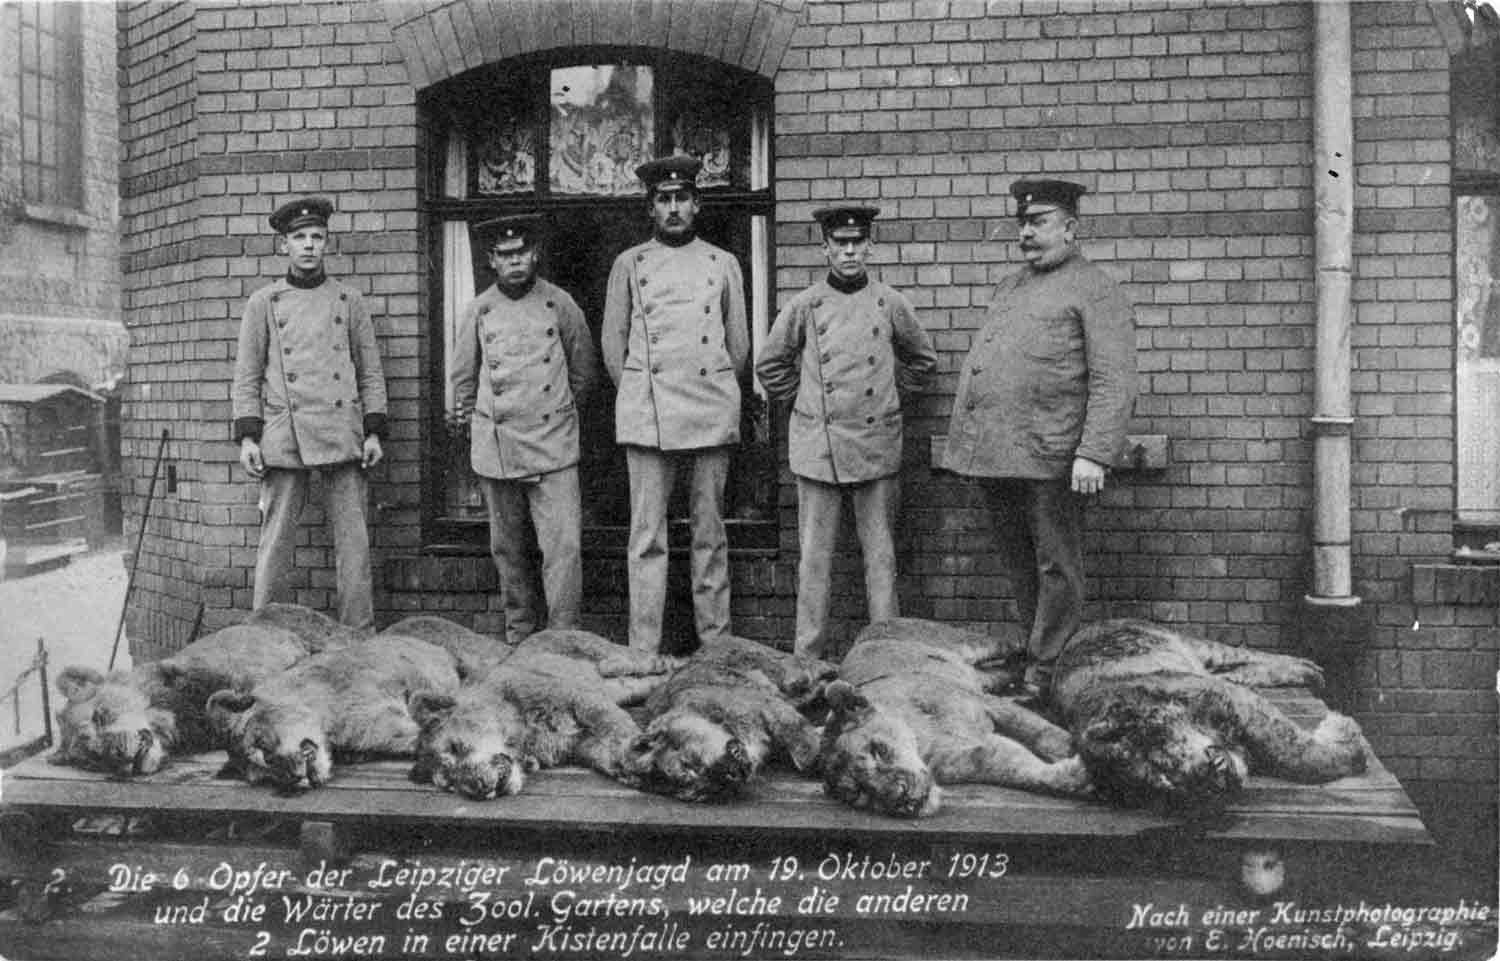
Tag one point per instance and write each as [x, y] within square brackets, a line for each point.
[554, 701]
[910, 712]
[131, 722]
[1165, 721]
[346, 704]
[716, 722]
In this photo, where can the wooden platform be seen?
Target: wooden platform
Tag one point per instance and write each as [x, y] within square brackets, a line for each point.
[996, 873]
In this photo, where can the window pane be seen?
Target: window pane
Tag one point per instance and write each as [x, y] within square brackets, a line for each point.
[602, 128]
[705, 132]
[1478, 370]
[506, 155]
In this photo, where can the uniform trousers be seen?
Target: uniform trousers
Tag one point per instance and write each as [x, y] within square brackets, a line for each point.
[819, 506]
[283, 494]
[1039, 531]
[652, 475]
[552, 503]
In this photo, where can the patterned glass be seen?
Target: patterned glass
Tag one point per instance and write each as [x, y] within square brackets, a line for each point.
[602, 128]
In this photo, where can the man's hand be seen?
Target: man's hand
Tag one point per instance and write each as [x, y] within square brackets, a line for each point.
[457, 420]
[250, 457]
[1088, 477]
[373, 452]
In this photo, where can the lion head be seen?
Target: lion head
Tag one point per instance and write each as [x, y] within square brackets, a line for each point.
[109, 724]
[475, 753]
[871, 758]
[690, 757]
[1159, 754]
[277, 741]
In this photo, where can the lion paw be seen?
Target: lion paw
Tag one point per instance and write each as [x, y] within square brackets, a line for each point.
[1071, 777]
[1341, 734]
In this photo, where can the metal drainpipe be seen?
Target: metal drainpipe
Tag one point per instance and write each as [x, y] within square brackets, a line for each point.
[1329, 615]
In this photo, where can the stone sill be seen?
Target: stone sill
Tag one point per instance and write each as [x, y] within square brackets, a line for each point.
[62, 216]
[1456, 585]
[1142, 452]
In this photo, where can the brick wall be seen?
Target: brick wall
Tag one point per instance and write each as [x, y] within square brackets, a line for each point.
[1192, 123]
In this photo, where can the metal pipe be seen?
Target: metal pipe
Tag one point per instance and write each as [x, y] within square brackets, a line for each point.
[1333, 196]
[135, 556]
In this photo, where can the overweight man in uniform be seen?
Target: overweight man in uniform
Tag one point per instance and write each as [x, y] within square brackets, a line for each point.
[522, 364]
[309, 395]
[846, 349]
[1044, 399]
[675, 342]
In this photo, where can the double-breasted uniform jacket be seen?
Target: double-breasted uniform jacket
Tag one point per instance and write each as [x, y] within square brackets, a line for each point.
[307, 374]
[675, 342]
[1051, 375]
[524, 366]
[847, 358]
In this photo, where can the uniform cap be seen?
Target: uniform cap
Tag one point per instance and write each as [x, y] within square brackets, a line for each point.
[846, 221]
[1046, 193]
[506, 234]
[299, 213]
[678, 172]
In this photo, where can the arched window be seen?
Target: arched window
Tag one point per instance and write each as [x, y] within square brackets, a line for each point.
[562, 136]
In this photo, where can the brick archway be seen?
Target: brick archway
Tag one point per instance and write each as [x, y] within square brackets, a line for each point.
[441, 40]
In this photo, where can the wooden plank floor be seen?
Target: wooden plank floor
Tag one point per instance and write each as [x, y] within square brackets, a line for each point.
[1077, 873]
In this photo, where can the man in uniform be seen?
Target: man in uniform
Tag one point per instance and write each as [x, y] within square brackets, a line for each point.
[523, 362]
[309, 395]
[1044, 399]
[847, 349]
[675, 342]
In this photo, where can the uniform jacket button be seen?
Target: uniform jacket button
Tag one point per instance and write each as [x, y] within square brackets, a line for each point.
[338, 320]
[550, 305]
[656, 368]
[872, 358]
[291, 378]
[546, 388]
[338, 403]
[869, 392]
[343, 296]
[880, 302]
[705, 338]
[335, 375]
[549, 331]
[869, 420]
[287, 351]
[702, 371]
[874, 331]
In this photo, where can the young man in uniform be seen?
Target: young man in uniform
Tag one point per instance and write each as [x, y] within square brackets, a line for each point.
[675, 342]
[847, 349]
[309, 395]
[1044, 400]
[522, 363]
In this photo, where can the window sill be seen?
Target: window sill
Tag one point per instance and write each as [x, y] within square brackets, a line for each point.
[61, 216]
[1469, 584]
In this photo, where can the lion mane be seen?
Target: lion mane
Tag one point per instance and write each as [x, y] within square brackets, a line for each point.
[1170, 722]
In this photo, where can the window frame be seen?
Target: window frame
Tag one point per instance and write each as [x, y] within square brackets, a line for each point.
[50, 101]
[442, 532]
[1475, 133]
